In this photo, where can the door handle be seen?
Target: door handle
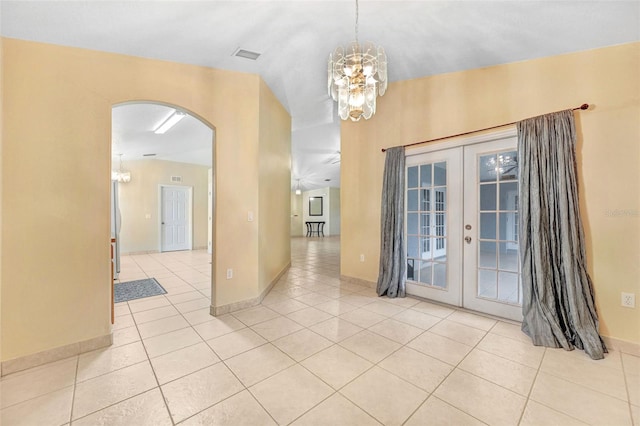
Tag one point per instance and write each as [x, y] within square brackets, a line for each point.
[467, 239]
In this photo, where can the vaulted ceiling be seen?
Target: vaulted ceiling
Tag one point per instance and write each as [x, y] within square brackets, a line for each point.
[294, 39]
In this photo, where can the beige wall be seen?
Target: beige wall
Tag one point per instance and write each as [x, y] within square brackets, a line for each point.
[139, 202]
[608, 155]
[274, 165]
[56, 148]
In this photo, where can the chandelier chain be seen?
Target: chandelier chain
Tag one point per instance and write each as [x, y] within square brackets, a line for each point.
[357, 13]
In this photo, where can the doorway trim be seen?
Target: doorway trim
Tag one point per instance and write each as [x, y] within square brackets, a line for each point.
[189, 214]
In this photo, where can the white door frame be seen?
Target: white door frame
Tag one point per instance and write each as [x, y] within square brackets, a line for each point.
[189, 214]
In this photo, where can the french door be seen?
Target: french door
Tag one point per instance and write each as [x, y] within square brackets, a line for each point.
[462, 227]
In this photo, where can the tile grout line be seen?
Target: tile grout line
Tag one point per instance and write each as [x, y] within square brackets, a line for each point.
[626, 385]
[75, 384]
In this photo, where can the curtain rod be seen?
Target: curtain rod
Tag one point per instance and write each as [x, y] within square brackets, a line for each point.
[582, 107]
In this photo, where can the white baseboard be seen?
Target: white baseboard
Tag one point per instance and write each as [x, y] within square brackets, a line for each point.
[55, 354]
[249, 303]
[622, 345]
[359, 281]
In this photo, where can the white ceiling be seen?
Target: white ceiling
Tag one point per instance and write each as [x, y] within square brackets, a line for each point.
[132, 135]
[294, 38]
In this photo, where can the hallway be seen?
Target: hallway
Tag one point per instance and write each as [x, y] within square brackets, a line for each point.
[319, 350]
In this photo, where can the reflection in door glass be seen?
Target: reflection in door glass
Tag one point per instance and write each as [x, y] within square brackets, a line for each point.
[427, 244]
[498, 257]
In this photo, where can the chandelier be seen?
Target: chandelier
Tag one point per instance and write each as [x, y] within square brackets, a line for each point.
[122, 176]
[356, 76]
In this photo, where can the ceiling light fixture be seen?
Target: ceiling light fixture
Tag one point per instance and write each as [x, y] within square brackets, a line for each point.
[121, 175]
[356, 76]
[171, 121]
[298, 190]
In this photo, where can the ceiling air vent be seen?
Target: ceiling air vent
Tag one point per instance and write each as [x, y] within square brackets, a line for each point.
[176, 179]
[247, 54]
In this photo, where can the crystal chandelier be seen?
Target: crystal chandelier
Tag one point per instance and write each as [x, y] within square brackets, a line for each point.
[122, 176]
[356, 76]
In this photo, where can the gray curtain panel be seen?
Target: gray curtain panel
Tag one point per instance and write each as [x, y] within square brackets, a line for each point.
[558, 301]
[391, 278]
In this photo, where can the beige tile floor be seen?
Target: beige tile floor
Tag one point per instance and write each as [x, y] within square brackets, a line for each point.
[318, 351]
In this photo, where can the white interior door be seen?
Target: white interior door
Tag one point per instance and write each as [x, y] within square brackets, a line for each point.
[462, 227]
[433, 225]
[175, 227]
[491, 259]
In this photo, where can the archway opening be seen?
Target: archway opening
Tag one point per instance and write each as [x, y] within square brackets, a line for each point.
[163, 199]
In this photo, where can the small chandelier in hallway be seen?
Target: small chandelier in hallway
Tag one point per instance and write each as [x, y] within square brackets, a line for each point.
[356, 76]
[122, 176]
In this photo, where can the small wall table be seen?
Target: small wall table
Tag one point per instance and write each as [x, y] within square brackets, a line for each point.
[315, 228]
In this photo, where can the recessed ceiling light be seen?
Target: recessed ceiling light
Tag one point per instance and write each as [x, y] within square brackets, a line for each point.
[148, 155]
[247, 54]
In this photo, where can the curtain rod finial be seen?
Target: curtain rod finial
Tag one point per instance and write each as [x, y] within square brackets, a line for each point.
[584, 106]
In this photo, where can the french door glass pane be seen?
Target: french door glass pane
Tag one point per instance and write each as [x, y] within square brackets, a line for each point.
[508, 169]
[425, 272]
[412, 224]
[440, 174]
[425, 200]
[412, 200]
[411, 273]
[488, 226]
[508, 192]
[440, 274]
[488, 197]
[425, 248]
[425, 175]
[412, 246]
[509, 256]
[487, 254]
[412, 177]
[487, 168]
[487, 284]
[508, 287]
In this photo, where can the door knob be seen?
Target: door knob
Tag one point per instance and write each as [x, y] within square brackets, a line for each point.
[467, 239]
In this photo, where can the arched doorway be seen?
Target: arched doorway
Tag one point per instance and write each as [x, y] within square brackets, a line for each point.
[163, 201]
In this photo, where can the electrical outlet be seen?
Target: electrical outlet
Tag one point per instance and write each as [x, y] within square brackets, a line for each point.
[229, 273]
[628, 300]
[362, 258]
